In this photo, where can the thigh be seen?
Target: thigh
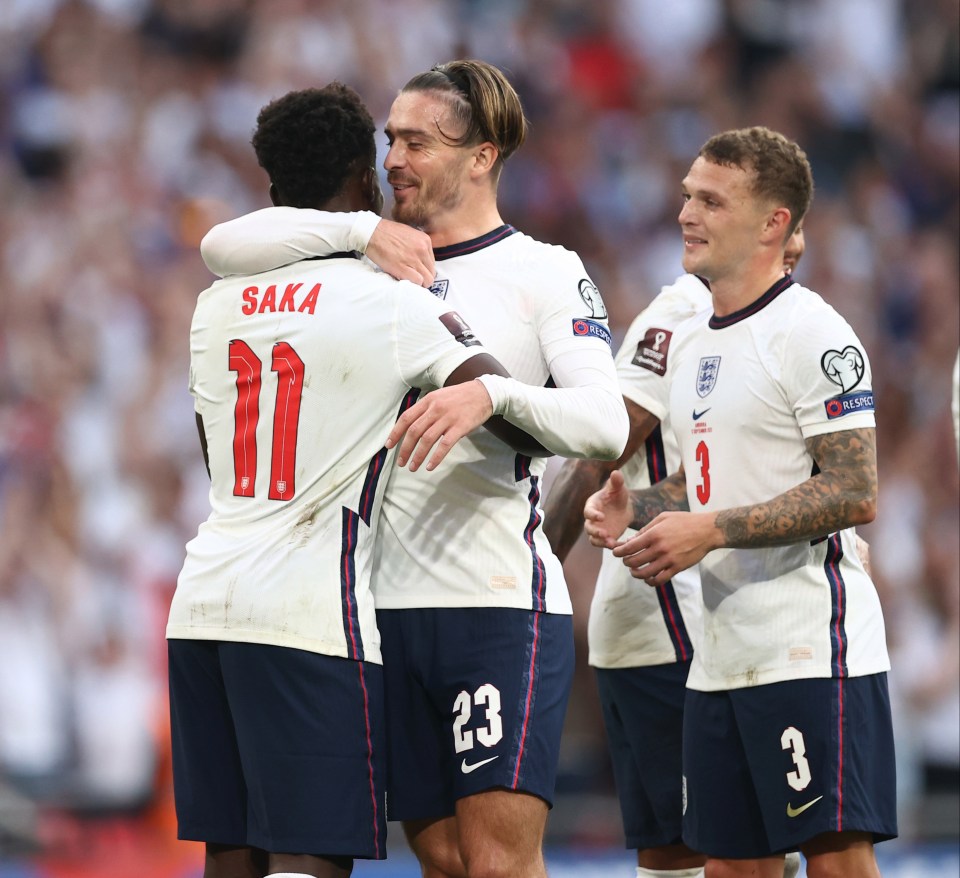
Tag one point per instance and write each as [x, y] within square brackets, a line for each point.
[210, 792]
[643, 718]
[501, 832]
[821, 756]
[436, 846]
[310, 733]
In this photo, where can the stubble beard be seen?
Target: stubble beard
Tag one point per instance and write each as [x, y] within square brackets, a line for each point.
[444, 196]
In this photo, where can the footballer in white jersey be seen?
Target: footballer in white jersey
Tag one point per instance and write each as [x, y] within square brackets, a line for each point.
[631, 626]
[467, 539]
[278, 363]
[474, 616]
[746, 390]
[469, 534]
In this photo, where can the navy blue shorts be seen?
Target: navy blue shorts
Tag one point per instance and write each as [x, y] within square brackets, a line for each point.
[476, 699]
[768, 768]
[279, 749]
[643, 717]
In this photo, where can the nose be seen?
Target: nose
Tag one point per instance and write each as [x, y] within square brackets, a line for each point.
[683, 216]
[393, 158]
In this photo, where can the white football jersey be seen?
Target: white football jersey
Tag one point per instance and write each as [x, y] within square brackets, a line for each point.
[299, 374]
[746, 390]
[469, 534]
[631, 624]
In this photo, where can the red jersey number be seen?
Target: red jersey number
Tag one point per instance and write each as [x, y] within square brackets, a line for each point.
[703, 488]
[246, 415]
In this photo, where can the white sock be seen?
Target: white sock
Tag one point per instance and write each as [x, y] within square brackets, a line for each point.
[696, 872]
[288, 875]
[791, 866]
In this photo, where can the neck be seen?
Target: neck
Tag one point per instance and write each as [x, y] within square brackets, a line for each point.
[463, 223]
[731, 294]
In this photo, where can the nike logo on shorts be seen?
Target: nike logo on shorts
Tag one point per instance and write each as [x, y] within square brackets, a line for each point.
[466, 768]
[794, 812]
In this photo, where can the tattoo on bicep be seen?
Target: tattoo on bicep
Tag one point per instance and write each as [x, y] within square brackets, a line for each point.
[843, 493]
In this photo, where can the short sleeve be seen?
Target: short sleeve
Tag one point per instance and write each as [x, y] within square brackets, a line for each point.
[644, 357]
[570, 310]
[432, 339]
[827, 375]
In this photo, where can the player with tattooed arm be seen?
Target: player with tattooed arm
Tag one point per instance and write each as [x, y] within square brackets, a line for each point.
[641, 640]
[787, 740]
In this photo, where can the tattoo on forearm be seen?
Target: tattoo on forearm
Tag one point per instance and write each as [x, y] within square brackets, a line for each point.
[841, 495]
[669, 495]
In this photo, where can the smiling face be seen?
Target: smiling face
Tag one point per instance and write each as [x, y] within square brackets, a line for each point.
[427, 173]
[721, 220]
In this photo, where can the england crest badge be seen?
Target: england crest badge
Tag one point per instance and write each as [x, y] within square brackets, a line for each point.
[707, 375]
[439, 287]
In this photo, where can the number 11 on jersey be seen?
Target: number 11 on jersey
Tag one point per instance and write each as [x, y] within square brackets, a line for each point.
[246, 415]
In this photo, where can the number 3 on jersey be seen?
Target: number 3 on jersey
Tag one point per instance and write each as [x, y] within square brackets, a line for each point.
[703, 486]
[246, 415]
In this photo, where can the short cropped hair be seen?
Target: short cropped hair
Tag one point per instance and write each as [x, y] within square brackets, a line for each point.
[482, 100]
[781, 170]
[311, 141]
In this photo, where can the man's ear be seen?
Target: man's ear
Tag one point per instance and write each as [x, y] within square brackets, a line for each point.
[370, 181]
[275, 196]
[485, 158]
[777, 225]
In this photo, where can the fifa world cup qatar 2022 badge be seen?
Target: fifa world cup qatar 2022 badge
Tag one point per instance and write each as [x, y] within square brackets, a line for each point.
[846, 369]
[459, 329]
[652, 350]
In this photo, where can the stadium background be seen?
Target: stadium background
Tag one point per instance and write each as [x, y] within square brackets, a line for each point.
[124, 135]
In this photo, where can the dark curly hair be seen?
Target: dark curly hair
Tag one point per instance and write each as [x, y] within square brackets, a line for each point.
[310, 142]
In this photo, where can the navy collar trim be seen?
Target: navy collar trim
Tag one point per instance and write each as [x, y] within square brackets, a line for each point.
[755, 306]
[472, 246]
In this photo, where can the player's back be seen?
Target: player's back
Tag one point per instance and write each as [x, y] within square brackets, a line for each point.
[298, 375]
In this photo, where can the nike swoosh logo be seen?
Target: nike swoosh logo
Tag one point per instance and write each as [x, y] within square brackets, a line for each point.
[466, 768]
[697, 415]
[793, 812]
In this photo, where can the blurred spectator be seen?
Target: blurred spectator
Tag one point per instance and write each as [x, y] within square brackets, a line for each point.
[124, 129]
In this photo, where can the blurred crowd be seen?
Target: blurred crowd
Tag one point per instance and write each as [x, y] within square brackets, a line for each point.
[124, 135]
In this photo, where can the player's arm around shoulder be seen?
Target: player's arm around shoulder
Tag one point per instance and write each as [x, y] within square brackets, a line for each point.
[276, 236]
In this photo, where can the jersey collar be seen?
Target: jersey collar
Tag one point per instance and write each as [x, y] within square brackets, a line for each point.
[475, 244]
[755, 306]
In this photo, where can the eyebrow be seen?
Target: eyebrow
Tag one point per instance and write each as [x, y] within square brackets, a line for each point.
[422, 133]
[700, 193]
